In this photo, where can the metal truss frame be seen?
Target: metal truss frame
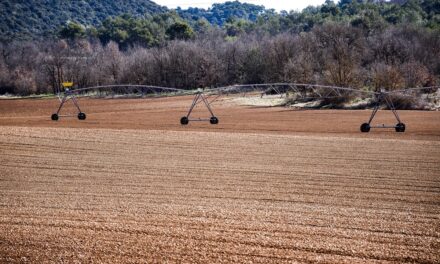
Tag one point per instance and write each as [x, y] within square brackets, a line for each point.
[301, 90]
[382, 97]
[200, 97]
[68, 95]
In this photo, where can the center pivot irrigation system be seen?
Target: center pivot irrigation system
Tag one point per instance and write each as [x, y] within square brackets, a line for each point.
[301, 92]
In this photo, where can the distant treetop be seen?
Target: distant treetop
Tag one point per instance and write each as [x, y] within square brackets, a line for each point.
[129, 22]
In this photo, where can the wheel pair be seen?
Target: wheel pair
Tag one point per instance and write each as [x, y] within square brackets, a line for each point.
[185, 121]
[81, 116]
[400, 127]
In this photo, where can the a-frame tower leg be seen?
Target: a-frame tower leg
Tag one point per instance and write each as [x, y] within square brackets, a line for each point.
[383, 97]
[199, 98]
[68, 95]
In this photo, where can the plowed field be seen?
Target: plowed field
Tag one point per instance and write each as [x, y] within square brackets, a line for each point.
[266, 185]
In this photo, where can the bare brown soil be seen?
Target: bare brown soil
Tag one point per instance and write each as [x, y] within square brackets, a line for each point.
[267, 185]
[165, 114]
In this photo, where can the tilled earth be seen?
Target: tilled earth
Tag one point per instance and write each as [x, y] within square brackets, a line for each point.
[129, 184]
[165, 114]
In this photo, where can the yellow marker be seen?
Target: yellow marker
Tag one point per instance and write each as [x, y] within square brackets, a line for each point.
[67, 84]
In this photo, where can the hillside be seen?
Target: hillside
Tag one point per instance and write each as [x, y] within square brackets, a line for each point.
[30, 19]
[218, 14]
[22, 19]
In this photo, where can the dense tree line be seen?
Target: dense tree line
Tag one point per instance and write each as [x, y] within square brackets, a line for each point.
[219, 14]
[333, 53]
[30, 19]
[361, 44]
[236, 19]
[370, 14]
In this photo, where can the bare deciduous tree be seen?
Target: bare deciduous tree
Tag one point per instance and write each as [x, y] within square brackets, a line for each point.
[343, 48]
[334, 53]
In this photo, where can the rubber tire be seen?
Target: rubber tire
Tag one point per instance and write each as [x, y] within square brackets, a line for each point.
[55, 117]
[365, 128]
[81, 116]
[184, 121]
[400, 127]
[213, 120]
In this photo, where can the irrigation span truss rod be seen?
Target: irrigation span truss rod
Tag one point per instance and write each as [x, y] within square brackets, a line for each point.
[246, 88]
[290, 85]
[130, 86]
[408, 91]
[301, 89]
[142, 88]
